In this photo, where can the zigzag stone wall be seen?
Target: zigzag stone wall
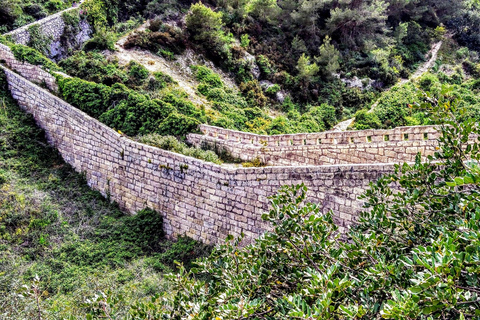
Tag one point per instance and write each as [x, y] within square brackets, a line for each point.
[199, 199]
[323, 148]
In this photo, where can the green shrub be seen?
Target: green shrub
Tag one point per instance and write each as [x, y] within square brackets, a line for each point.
[272, 90]
[171, 143]
[177, 124]
[366, 120]
[93, 66]
[427, 81]
[27, 54]
[167, 54]
[102, 39]
[90, 97]
[393, 106]
[207, 76]
[137, 73]
[38, 40]
[265, 65]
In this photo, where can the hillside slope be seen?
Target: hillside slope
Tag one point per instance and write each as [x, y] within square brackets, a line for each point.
[52, 225]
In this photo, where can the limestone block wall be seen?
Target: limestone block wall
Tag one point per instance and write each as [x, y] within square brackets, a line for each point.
[202, 200]
[27, 70]
[53, 26]
[324, 148]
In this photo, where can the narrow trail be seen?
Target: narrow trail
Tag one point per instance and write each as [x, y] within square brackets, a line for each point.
[344, 125]
[178, 69]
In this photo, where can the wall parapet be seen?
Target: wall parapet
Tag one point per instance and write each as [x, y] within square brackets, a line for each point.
[199, 199]
[48, 25]
[417, 133]
[323, 148]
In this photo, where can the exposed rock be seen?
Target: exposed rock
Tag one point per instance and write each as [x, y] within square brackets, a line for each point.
[254, 69]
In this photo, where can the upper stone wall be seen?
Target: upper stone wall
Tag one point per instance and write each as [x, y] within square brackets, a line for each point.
[324, 148]
[53, 26]
[199, 199]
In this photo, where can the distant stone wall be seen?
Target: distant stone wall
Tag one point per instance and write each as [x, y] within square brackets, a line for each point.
[324, 148]
[199, 199]
[29, 71]
[53, 26]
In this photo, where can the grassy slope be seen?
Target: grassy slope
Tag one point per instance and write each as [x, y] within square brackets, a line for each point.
[52, 225]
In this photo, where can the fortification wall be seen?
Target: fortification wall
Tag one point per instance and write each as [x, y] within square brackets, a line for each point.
[202, 200]
[53, 26]
[324, 148]
[29, 71]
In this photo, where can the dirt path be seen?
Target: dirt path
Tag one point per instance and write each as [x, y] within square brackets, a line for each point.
[178, 69]
[342, 126]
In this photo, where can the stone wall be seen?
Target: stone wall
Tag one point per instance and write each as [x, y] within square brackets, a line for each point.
[324, 148]
[202, 200]
[53, 26]
[27, 70]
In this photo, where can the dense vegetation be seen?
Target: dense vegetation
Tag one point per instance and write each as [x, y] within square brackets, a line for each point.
[453, 76]
[16, 13]
[61, 242]
[68, 253]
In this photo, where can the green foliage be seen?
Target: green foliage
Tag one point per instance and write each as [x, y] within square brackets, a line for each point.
[93, 66]
[138, 73]
[306, 69]
[366, 120]
[14, 13]
[170, 143]
[329, 56]
[206, 28]
[38, 40]
[90, 97]
[178, 124]
[393, 107]
[244, 41]
[272, 90]
[103, 39]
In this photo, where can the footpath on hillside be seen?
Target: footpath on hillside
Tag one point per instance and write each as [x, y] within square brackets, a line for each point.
[425, 67]
[178, 69]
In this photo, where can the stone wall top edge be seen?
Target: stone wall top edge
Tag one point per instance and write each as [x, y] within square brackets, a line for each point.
[41, 21]
[325, 168]
[330, 134]
[5, 48]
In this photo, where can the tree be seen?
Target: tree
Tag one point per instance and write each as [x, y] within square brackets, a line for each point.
[358, 21]
[306, 69]
[204, 23]
[264, 10]
[329, 56]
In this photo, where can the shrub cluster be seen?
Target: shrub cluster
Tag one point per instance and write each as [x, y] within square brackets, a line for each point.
[171, 143]
[129, 111]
